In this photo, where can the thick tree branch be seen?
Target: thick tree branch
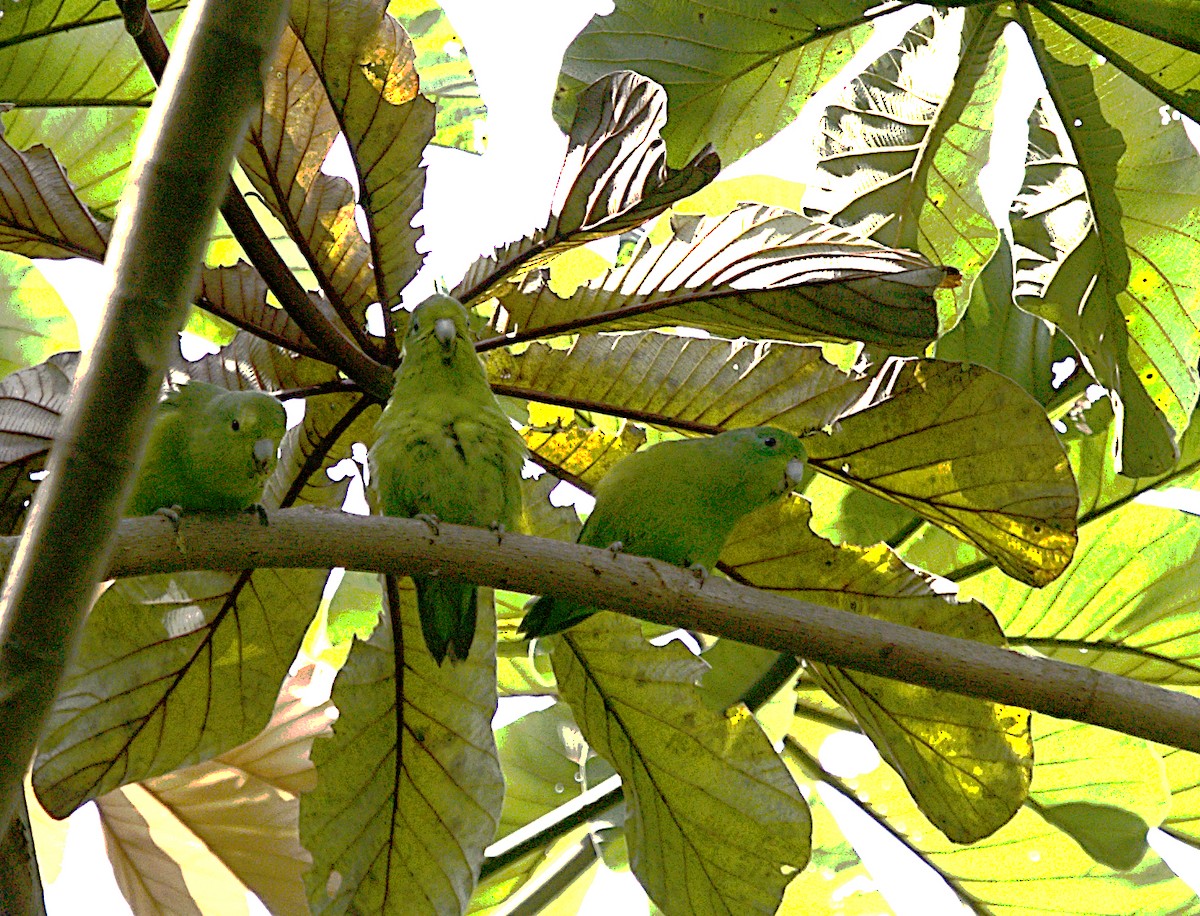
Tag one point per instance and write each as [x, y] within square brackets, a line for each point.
[179, 174]
[310, 538]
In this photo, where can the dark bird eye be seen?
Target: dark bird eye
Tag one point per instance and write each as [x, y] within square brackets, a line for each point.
[770, 442]
[236, 426]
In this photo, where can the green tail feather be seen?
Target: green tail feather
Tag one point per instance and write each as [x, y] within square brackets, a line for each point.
[547, 615]
[447, 612]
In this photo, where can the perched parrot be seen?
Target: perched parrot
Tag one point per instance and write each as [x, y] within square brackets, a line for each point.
[210, 450]
[445, 451]
[678, 501]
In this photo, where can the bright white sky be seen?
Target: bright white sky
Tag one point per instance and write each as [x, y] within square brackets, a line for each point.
[473, 204]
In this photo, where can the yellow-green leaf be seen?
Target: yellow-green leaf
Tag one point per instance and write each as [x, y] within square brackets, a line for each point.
[969, 450]
[171, 670]
[735, 74]
[409, 787]
[717, 825]
[707, 384]
[901, 148]
[966, 761]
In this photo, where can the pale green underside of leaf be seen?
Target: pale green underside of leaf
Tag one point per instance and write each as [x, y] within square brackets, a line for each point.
[407, 797]
[968, 764]
[446, 74]
[170, 673]
[1108, 241]
[1030, 867]
[34, 322]
[736, 73]
[716, 823]
[900, 150]
[79, 86]
[995, 333]
[546, 764]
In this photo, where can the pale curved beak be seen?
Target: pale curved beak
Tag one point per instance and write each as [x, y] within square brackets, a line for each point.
[444, 330]
[794, 471]
[264, 452]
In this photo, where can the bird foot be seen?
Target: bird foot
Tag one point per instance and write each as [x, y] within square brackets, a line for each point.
[700, 572]
[615, 548]
[431, 520]
[174, 515]
[261, 511]
[498, 529]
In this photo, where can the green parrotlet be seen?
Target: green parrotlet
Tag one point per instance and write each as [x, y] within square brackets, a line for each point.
[210, 450]
[446, 451]
[678, 501]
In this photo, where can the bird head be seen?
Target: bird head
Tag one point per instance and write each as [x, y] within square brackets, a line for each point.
[771, 452]
[436, 325]
[235, 436]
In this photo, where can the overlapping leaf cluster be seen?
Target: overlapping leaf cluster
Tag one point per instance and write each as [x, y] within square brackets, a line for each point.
[934, 454]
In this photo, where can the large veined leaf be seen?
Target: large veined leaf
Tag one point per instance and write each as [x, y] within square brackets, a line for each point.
[1032, 866]
[1174, 21]
[759, 272]
[353, 71]
[578, 453]
[1163, 58]
[966, 761]
[409, 787]
[31, 402]
[997, 334]
[284, 151]
[968, 450]
[716, 824]
[1126, 792]
[1090, 440]
[78, 86]
[56, 53]
[1126, 604]
[34, 322]
[901, 148]
[40, 216]
[1103, 252]
[705, 384]
[446, 74]
[171, 670]
[735, 73]
[366, 62]
[239, 295]
[149, 878]
[614, 177]
[233, 816]
[1182, 770]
